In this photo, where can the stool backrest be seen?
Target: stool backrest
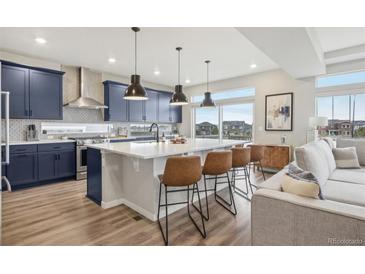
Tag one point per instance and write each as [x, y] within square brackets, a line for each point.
[218, 162]
[241, 156]
[257, 153]
[182, 171]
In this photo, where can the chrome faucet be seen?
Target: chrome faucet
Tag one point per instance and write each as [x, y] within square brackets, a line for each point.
[157, 135]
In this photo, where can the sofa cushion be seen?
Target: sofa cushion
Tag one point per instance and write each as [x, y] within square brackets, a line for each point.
[346, 157]
[329, 142]
[344, 192]
[355, 176]
[300, 187]
[358, 143]
[317, 158]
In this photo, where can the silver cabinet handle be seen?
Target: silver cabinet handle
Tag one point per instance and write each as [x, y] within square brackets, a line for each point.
[7, 156]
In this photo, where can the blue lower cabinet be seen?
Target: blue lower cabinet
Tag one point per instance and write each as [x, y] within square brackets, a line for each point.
[22, 169]
[47, 166]
[94, 187]
[66, 164]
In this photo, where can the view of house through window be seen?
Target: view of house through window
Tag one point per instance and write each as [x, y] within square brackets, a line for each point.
[345, 113]
[236, 124]
[237, 121]
[207, 123]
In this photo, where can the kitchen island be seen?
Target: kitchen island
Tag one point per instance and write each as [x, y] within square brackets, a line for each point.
[127, 173]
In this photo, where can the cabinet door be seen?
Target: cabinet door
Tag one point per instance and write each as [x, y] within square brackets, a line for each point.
[151, 106]
[164, 107]
[16, 81]
[22, 169]
[176, 114]
[66, 164]
[117, 106]
[47, 165]
[45, 95]
[136, 111]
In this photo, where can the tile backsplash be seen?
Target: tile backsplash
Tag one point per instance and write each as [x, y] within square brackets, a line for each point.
[70, 115]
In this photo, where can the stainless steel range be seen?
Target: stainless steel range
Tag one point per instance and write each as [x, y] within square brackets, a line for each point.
[81, 153]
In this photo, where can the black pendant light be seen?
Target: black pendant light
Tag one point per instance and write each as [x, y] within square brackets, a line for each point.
[207, 102]
[135, 91]
[178, 97]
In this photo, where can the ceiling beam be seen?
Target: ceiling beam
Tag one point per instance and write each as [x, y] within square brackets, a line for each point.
[295, 50]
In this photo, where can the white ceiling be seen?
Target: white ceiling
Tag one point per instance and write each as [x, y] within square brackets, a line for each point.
[230, 52]
[340, 38]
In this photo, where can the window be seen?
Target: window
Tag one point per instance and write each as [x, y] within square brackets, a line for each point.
[341, 79]
[206, 123]
[345, 113]
[237, 121]
[230, 94]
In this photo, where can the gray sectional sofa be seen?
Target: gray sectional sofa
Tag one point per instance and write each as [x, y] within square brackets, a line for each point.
[279, 218]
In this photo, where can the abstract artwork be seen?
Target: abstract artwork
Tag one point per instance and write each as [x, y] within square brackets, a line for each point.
[279, 112]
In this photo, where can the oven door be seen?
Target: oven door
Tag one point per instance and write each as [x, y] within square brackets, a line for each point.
[81, 154]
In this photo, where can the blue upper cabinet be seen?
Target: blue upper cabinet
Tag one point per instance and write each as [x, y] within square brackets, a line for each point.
[117, 106]
[45, 100]
[151, 106]
[35, 93]
[156, 109]
[16, 81]
[164, 107]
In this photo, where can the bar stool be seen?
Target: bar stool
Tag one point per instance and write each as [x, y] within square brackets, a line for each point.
[216, 166]
[240, 160]
[180, 171]
[257, 154]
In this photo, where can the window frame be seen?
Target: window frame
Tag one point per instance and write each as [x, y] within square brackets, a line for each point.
[339, 87]
[220, 104]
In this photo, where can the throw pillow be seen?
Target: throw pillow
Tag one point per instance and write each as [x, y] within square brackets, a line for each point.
[329, 141]
[346, 157]
[299, 187]
[299, 174]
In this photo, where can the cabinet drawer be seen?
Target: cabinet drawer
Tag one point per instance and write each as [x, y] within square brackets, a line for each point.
[56, 147]
[23, 149]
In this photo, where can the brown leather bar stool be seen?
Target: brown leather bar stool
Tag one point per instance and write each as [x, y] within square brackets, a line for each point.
[217, 165]
[183, 172]
[241, 157]
[257, 154]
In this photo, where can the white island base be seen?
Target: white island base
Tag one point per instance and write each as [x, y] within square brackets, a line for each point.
[129, 173]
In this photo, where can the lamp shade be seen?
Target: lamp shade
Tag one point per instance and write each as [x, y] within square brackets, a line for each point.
[135, 90]
[178, 97]
[207, 102]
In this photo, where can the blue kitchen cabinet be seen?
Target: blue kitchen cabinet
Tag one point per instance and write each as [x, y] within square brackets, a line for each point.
[47, 166]
[136, 111]
[66, 164]
[151, 106]
[164, 107]
[45, 95]
[113, 98]
[16, 81]
[22, 169]
[94, 186]
[35, 93]
[175, 114]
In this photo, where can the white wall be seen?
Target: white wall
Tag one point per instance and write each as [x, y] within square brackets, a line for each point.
[269, 82]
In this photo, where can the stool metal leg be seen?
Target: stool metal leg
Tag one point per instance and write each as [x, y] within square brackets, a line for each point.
[202, 232]
[165, 238]
[224, 203]
[240, 191]
[262, 171]
[206, 216]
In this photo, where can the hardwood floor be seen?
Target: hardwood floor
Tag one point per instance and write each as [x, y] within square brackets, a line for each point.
[60, 214]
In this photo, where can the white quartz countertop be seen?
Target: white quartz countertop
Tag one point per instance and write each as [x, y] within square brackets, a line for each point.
[145, 150]
[48, 141]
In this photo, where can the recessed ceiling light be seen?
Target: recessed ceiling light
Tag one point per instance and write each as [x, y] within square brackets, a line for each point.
[40, 40]
[112, 60]
[253, 66]
[187, 81]
[156, 72]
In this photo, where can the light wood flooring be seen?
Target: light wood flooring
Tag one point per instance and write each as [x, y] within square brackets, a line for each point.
[60, 214]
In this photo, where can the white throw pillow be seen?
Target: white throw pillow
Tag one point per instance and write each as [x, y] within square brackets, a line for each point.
[346, 157]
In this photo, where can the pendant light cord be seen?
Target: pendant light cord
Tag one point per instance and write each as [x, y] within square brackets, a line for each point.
[207, 75]
[178, 66]
[135, 52]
